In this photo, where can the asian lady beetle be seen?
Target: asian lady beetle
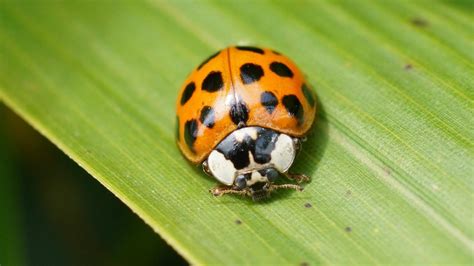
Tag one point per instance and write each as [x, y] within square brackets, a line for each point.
[241, 114]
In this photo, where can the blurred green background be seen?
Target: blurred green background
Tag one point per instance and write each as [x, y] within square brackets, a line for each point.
[53, 213]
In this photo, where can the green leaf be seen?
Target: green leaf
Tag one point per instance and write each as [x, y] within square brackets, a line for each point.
[391, 155]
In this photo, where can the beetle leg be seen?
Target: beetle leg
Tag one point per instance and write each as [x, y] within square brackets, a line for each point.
[286, 186]
[205, 168]
[299, 178]
[221, 190]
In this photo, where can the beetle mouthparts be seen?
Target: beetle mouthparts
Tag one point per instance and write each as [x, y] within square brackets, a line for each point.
[260, 195]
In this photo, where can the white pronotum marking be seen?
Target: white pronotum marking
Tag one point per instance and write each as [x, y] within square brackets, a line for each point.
[282, 158]
[283, 154]
[241, 133]
[221, 168]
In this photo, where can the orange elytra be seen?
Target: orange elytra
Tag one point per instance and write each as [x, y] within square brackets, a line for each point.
[237, 88]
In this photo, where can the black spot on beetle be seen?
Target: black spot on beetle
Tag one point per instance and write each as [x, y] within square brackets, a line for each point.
[190, 133]
[239, 113]
[207, 117]
[208, 59]
[281, 69]
[250, 49]
[293, 106]
[269, 101]
[250, 73]
[188, 92]
[308, 94]
[213, 82]
[275, 52]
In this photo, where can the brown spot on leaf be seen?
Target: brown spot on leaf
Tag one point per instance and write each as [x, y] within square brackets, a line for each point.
[408, 66]
[238, 221]
[419, 22]
[308, 205]
[348, 229]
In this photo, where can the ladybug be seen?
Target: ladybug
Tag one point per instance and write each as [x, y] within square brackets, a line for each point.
[242, 114]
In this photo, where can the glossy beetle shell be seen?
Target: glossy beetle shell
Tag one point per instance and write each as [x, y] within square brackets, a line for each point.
[237, 87]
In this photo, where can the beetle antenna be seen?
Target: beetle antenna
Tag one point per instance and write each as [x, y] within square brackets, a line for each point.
[221, 190]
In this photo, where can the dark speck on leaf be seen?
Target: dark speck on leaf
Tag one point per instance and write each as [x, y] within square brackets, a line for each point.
[238, 222]
[348, 229]
[408, 66]
[304, 263]
[308, 205]
[419, 22]
[348, 193]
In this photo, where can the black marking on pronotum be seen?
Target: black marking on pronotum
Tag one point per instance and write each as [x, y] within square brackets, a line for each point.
[264, 145]
[207, 117]
[250, 73]
[213, 82]
[238, 151]
[188, 92]
[208, 59]
[190, 133]
[239, 113]
[281, 69]
[250, 49]
[293, 106]
[308, 94]
[269, 101]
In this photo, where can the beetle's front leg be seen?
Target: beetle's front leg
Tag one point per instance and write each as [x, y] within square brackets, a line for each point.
[299, 178]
